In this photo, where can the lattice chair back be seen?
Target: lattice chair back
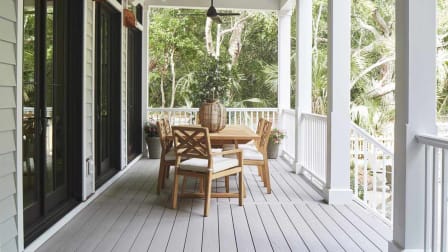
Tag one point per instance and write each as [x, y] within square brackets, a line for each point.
[192, 142]
[264, 139]
[161, 129]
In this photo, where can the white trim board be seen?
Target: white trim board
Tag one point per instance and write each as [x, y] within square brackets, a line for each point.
[19, 104]
[69, 216]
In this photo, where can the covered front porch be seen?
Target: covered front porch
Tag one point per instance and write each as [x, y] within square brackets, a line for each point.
[130, 216]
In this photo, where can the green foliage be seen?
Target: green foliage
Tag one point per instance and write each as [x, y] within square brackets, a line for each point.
[213, 80]
[246, 83]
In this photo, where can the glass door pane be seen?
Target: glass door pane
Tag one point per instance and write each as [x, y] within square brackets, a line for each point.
[30, 174]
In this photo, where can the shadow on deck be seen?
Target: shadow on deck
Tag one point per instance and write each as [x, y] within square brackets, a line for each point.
[130, 216]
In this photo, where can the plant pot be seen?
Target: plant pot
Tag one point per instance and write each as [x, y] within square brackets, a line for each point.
[272, 150]
[154, 147]
[128, 18]
[212, 115]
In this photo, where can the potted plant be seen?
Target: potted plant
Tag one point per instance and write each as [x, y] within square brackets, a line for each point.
[275, 139]
[128, 18]
[152, 139]
[212, 84]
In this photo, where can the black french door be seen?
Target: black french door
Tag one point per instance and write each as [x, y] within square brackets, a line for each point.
[50, 180]
[107, 92]
[134, 94]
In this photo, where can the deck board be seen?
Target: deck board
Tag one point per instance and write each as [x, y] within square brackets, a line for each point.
[130, 216]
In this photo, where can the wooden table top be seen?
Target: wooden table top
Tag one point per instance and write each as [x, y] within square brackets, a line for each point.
[234, 133]
[231, 134]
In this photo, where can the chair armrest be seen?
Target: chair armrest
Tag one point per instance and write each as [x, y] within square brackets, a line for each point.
[234, 151]
[238, 152]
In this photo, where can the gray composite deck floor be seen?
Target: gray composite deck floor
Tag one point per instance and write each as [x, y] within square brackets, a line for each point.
[130, 216]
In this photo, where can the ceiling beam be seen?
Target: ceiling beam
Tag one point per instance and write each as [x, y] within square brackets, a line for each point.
[219, 4]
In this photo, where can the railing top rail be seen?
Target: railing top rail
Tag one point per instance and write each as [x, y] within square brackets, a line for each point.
[315, 116]
[433, 140]
[367, 136]
[172, 109]
[253, 109]
[289, 111]
[227, 109]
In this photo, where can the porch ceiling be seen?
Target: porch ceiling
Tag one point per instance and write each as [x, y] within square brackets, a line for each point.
[224, 4]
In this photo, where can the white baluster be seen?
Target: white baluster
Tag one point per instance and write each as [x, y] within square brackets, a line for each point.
[443, 233]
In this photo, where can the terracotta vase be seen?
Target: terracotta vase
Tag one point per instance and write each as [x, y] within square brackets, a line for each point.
[128, 18]
[212, 115]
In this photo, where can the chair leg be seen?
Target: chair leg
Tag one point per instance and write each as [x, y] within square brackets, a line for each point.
[241, 189]
[260, 173]
[175, 189]
[226, 180]
[201, 184]
[184, 178]
[161, 177]
[267, 177]
[208, 193]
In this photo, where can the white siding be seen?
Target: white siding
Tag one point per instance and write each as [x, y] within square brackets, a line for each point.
[124, 59]
[89, 79]
[8, 106]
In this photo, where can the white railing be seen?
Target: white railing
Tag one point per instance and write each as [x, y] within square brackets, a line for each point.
[245, 116]
[371, 171]
[436, 191]
[313, 146]
[288, 121]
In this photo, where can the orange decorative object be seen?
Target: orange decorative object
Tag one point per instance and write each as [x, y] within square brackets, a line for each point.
[128, 18]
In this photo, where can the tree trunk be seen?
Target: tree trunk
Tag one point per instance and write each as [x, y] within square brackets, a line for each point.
[173, 78]
[209, 38]
[235, 41]
[162, 93]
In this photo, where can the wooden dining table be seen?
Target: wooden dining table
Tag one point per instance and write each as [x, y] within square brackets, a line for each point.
[233, 134]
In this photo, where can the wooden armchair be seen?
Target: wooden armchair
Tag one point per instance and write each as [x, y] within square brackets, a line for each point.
[193, 143]
[168, 156]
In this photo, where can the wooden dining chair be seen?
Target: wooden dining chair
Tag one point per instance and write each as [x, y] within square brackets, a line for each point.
[257, 155]
[254, 145]
[168, 156]
[193, 143]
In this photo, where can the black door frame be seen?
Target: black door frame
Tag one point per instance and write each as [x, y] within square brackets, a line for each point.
[114, 96]
[70, 63]
[134, 92]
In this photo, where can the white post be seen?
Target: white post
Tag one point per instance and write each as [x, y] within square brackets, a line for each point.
[145, 64]
[414, 114]
[338, 117]
[284, 59]
[304, 82]
[284, 64]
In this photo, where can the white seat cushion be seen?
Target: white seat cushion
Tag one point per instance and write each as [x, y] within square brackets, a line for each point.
[249, 153]
[240, 146]
[201, 165]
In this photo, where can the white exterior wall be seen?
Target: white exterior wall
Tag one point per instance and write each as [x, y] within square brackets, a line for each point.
[89, 83]
[10, 79]
[124, 80]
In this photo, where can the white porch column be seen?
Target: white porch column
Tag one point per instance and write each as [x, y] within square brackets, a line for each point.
[338, 117]
[145, 73]
[284, 59]
[414, 114]
[284, 65]
[304, 82]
